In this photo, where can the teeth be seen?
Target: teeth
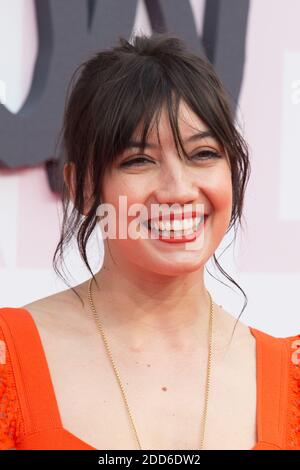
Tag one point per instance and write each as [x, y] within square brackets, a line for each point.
[187, 225]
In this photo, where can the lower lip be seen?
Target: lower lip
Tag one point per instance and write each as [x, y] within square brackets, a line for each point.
[184, 239]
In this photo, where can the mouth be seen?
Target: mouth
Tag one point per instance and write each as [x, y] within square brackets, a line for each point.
[177, 230]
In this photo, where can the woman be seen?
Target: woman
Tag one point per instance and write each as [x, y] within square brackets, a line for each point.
[139, 355]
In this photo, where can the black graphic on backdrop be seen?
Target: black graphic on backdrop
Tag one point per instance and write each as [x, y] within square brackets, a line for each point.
[69, 31]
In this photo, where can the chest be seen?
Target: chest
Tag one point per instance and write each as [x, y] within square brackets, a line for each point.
[165, 393]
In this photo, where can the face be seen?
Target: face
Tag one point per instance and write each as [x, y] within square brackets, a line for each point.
[160, 176]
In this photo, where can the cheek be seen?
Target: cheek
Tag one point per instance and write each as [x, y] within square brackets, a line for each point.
[221, 194]
[132, 188]
[123, 194]
[220, 197]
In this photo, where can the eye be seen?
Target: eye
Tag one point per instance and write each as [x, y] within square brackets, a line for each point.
[207, 155]
[203, 155]
[129, 163]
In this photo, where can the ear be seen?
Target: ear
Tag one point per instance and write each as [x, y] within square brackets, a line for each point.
[70, 181]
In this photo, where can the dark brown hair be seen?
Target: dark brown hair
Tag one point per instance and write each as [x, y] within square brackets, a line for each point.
[117, 89]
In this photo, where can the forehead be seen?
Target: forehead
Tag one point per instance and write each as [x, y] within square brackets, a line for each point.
[191, 128]
[187, 119]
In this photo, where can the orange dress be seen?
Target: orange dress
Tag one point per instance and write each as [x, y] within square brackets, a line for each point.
[29, 414]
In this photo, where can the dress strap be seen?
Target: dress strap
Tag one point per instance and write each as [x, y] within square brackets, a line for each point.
[272, 379]
[33, 381]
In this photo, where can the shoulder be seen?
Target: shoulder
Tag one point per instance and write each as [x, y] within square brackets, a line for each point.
[64, 311]
[228, 328]
[59, 301]
[51, 312]
[245, 336]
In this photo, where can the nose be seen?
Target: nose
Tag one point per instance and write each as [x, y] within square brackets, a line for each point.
[176, 184]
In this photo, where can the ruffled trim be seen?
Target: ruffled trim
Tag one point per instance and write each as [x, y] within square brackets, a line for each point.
[11, 420]
[293, 431]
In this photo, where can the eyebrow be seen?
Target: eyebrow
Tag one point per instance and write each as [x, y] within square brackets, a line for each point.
[192, 138]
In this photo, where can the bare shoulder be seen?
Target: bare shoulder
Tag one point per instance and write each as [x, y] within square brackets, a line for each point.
[229, 329]
[60, 308]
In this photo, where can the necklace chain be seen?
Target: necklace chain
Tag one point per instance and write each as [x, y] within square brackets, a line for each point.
[208, 376]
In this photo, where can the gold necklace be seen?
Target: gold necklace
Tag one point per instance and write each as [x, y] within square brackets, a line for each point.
[208, 376]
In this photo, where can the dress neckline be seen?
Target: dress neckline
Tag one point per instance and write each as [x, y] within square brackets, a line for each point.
[255, 333]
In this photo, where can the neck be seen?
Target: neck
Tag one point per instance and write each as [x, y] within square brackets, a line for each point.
[147, 310]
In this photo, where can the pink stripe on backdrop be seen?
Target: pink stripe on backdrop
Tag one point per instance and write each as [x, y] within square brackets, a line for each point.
[269, 244]
[38, 223]
[3, 173]
[2, 263]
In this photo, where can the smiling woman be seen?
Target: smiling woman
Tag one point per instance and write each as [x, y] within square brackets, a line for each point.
[141, 356]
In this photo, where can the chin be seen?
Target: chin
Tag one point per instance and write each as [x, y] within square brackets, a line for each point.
[175, 267]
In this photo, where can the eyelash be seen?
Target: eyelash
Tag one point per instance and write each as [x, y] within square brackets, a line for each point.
[211, 154]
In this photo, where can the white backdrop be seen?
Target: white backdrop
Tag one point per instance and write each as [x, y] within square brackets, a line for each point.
[266, 259]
